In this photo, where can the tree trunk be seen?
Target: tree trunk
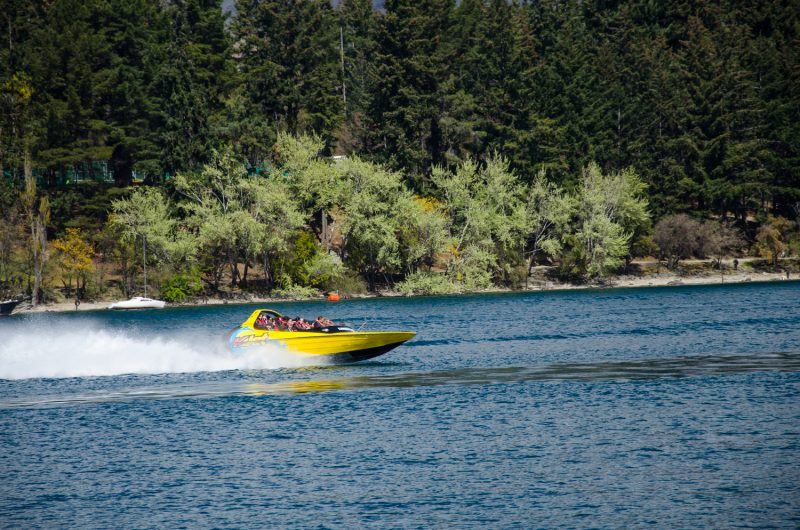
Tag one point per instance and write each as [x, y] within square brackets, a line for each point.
[234, 272]
[267, 276]
[325, 239]
[40, 245]
[2, 155]
[37, 218]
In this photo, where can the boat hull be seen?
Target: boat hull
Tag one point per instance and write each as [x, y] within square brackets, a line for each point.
[7, 306]
[339, 347]
[363, 355]
[139, 303]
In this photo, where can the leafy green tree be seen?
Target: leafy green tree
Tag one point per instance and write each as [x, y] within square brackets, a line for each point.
[317, 184]
[487, 221]
[215, 215]
[369, 225]
[239, 219]
[610, 209]
[181, 287]
[278, 217]
[144, 219]
[548, 210]
[422, 232]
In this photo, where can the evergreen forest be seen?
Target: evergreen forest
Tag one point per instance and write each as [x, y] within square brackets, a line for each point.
[289, 147]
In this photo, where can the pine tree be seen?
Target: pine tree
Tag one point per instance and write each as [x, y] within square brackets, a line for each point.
[537, 142]
[19, 22]
[288, 56]
[67, 64]
[568, 80]
[190, 82]
[404, 109]
[460, 113]
[131, 29]
[773, 56]
[357, 47]
[663, 97]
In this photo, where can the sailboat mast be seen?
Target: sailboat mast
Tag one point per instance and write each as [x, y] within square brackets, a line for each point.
[144, 262]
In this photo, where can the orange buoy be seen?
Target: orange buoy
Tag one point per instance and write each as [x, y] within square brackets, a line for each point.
[333, 297]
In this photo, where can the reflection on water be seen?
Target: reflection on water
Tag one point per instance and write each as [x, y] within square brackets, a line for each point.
[704, 365]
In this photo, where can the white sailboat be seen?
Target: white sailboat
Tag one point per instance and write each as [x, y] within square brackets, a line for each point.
[140, 302]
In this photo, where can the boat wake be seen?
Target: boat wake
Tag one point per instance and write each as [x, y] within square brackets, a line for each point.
[630, 370]
[62, 352]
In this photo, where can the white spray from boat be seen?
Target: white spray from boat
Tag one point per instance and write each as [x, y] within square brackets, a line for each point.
[63, 351]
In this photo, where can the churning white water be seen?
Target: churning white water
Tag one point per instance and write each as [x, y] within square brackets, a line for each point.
[64, 351]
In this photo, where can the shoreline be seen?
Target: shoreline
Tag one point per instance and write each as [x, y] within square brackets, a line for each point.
[613, 282]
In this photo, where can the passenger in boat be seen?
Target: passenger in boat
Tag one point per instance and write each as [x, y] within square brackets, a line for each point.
[301, 324]
[261, 321]
[322, 322]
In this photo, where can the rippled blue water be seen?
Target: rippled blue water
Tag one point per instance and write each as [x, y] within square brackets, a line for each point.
[675, 407]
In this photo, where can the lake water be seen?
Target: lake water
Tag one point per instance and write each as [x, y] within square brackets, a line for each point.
[673, 407]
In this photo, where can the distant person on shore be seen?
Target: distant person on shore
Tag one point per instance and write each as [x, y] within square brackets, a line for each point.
[735, 264]
[78, 300]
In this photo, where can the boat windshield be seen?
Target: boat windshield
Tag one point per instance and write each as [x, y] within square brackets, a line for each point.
[269, 319]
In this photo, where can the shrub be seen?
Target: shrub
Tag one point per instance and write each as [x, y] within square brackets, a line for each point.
[772, 239]
[346, 282]
[426, 283]
[321, 269]
[181, 287]
[677, 237]
[294, 292]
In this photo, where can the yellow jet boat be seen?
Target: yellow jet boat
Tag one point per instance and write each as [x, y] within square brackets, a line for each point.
[331, 343]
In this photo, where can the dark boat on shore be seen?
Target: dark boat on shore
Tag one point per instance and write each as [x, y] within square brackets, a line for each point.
[7, 306]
